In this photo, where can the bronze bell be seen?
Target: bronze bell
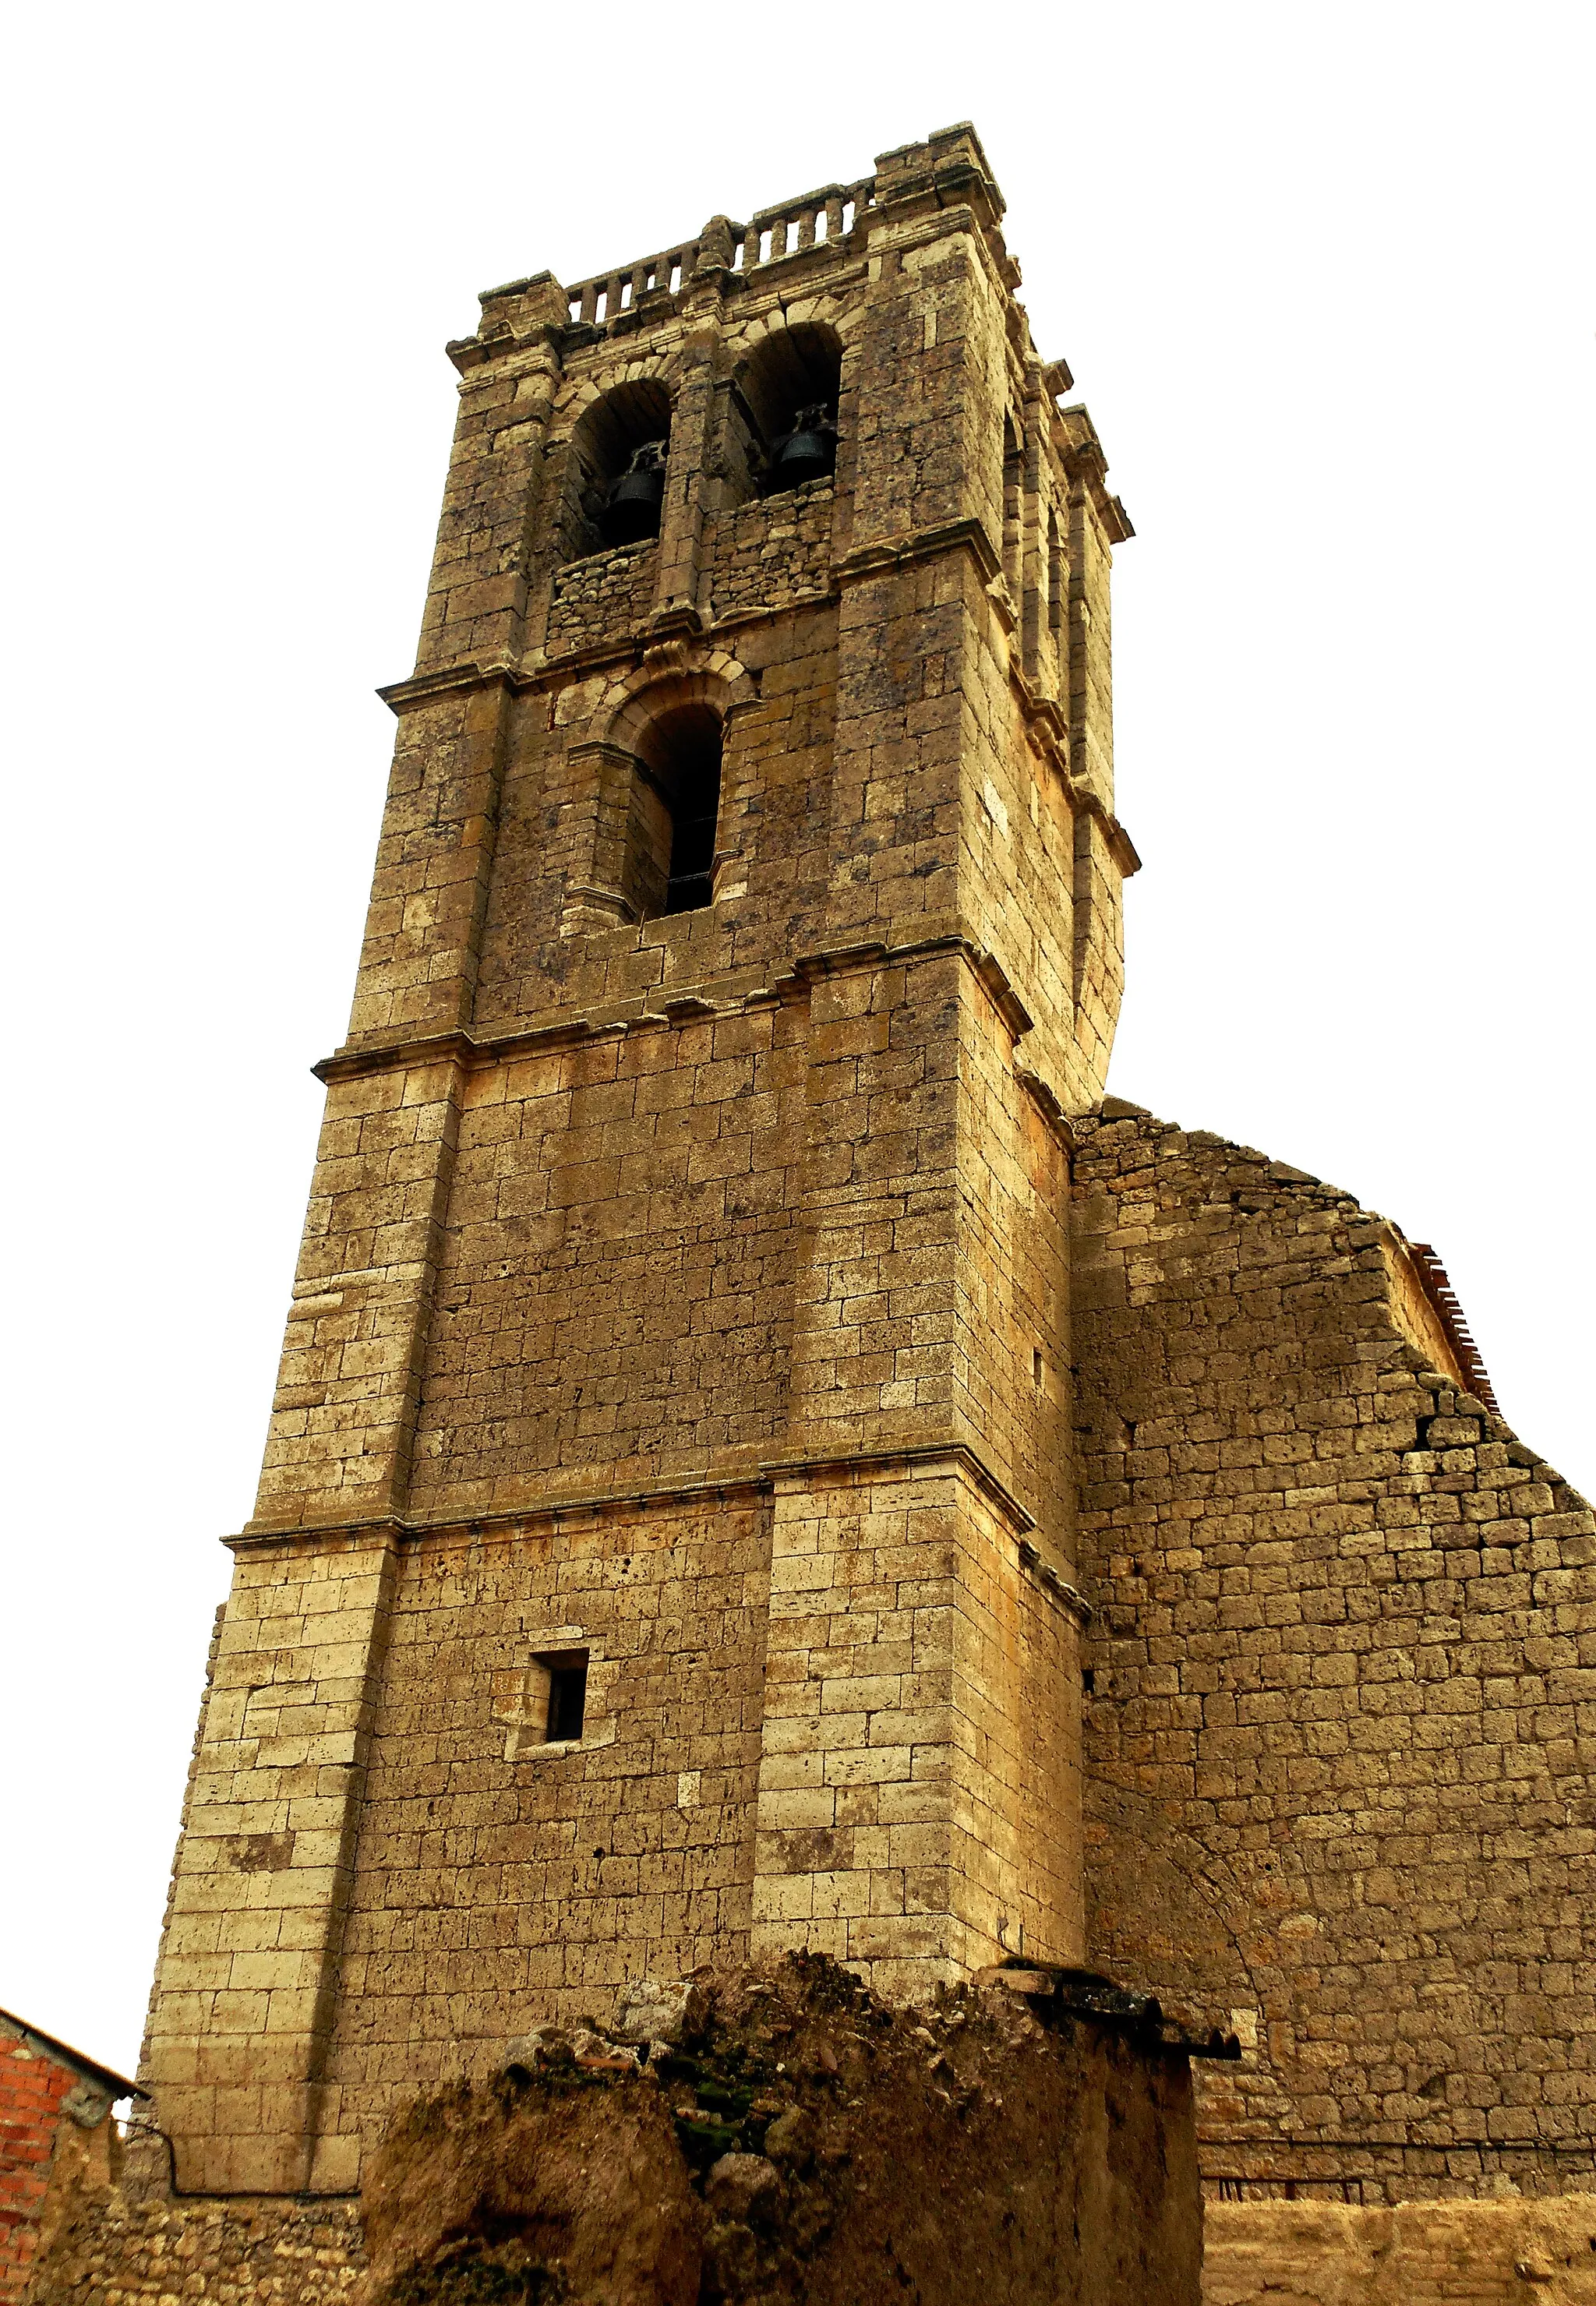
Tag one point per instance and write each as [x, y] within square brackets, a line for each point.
[632, 510]
[810, 451]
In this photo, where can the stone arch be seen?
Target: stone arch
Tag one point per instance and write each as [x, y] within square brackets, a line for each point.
[1201, 1930]
[711, 678]
[660, 732]
[600, 429]
[801, 355]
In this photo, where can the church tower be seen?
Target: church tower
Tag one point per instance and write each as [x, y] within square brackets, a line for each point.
[665, 1550]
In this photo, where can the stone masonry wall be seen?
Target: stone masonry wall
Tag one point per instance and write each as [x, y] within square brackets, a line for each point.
[764, 552]
[501, 1880]
[119, 2243]
[616, 1285]
[1500, 2253]
[1342, 1731]
[606, 593]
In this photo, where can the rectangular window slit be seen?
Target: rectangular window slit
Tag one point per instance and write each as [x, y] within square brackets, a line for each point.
[568, 1696]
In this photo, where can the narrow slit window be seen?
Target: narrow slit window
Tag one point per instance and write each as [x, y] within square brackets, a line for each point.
[568, 1698]
[1013, 498]
[693, 822]
[1055, 578]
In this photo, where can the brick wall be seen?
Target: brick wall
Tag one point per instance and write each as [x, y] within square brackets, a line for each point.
[56, 2139]
[32, 2087]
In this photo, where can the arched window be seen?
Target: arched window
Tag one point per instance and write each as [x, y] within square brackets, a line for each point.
[784, 419]
[615, 480]
[675, 806]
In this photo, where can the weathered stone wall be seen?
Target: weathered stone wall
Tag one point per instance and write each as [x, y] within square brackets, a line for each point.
[1481, 2253]
[1340, 1738]
[135, 2239]
[918, 1788]
[768, 552]
[595, 599]
[616, 1285]
[499, 1879]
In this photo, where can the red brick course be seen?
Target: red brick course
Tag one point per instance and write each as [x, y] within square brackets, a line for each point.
[32, 2087]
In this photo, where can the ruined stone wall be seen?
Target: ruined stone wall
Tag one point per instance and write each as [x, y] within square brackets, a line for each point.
[116, 2244]
[1340, 1737]
[754, 2153]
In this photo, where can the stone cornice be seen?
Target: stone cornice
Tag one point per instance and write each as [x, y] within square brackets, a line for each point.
[447, 680]
[459, 1046]
[1081, 454]
[758, 1481]
[920, 544]
[868, 1463]
[1049, 728]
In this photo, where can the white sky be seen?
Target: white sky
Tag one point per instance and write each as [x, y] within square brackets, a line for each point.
[1323, 274]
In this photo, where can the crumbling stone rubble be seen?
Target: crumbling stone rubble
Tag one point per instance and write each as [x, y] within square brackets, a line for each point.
[778, 2136]
[787, 2136]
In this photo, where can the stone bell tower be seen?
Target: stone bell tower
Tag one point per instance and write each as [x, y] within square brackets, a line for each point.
[664, 1548]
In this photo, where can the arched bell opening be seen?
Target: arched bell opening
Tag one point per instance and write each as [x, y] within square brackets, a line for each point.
[676, 807]
[615, 482]
[784, 404]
